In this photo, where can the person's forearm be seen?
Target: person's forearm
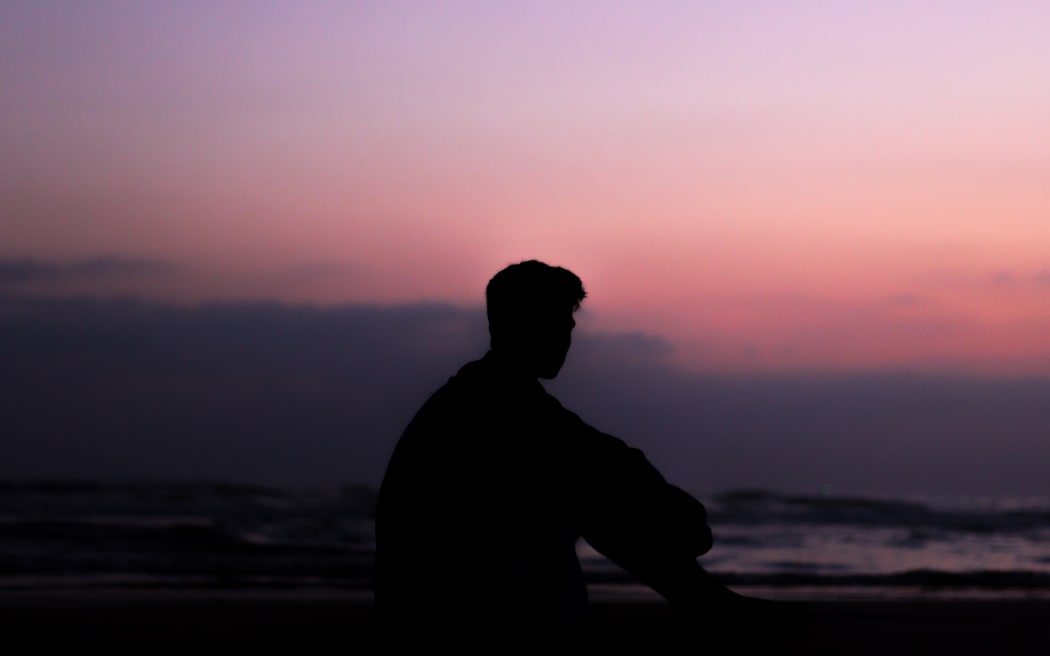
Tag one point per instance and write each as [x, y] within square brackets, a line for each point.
[684, 584]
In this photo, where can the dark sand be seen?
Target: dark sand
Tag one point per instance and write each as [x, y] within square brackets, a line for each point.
[890, 628]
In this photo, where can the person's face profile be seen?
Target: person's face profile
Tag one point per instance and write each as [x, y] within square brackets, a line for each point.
[554, 337]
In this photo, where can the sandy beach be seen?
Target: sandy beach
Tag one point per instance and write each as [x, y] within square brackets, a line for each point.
[878, 627]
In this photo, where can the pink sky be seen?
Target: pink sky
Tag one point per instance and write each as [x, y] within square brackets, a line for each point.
[820, 185]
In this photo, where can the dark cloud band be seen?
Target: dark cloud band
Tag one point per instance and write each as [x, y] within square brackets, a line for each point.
[21, 271]
[302, 394]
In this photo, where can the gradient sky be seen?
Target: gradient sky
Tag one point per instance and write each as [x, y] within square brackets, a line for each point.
[768, 186]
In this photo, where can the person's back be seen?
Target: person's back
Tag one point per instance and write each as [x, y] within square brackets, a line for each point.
[493, 482]
[486, 495]
[476, 513]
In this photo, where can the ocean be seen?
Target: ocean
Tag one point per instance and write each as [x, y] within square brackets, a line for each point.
[83, 542]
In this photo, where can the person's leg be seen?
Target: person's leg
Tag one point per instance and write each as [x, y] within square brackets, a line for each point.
[683, 583]
[702, 603]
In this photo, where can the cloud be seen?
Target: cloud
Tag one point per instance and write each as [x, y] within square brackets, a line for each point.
[630, 346]
[907, 301]
[260, 391]
[1003, 279]
[1008, 278]
[302, 394]
[22, 271]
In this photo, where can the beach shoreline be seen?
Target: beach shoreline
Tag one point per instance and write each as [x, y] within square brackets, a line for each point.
[844, 627]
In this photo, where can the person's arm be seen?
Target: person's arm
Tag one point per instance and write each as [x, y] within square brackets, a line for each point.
[633, 516]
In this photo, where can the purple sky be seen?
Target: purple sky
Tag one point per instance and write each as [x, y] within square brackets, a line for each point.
[769, 191]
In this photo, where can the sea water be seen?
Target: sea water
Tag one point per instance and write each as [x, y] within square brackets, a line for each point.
[829, 547]
[79, 542]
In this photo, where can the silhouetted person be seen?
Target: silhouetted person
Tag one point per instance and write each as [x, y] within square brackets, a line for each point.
[493, 482]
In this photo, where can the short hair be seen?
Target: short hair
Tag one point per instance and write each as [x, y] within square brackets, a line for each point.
[528, 290]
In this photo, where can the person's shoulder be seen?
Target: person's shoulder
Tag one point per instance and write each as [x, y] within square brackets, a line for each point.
[585, 434]
[471, 378]
[473, 370]
[473, 384]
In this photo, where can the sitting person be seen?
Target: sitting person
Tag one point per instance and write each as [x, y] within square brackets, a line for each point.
[493, 482]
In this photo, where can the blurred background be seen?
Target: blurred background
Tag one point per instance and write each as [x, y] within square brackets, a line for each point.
[240, 243]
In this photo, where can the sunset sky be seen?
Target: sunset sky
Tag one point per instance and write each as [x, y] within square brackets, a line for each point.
[767, 185]
[306, 199]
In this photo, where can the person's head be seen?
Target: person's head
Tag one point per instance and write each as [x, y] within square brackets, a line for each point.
[530, 306]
